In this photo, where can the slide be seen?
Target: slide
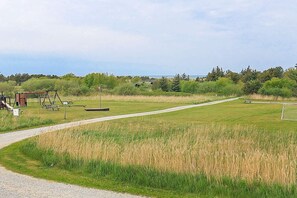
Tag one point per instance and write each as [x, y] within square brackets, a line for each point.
[7, 106]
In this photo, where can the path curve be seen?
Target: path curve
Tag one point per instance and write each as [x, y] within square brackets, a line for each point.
[17, 185]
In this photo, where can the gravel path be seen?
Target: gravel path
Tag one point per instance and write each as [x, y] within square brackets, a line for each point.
[14, 185]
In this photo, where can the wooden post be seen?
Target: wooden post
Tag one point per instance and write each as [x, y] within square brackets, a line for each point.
[283, 110]
[100, 91]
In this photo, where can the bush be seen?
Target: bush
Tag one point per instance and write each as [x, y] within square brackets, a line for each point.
[71, 87]
[231, 89]
[278, 87]
[7, 87]
[126, 89]
[189, 86]
[207, 87]
[96, 79]
[39, 84]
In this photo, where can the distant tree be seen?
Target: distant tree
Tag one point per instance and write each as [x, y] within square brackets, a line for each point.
[145, 78]
[69, 76]
[136, 79]
[215, 74]
[275, 72]
[7, 87]
[2, 78]
[249, 74]
[39, 84]
[163, 83]
[185, 77]
[19, 78]
[93, 80]
[200, 79]
[235, 77]
[176, 83]
[291, 73]
[252, 87]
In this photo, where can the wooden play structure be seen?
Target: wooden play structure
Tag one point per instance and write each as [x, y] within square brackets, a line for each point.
[46, 99]
[5, 102]
[21, 100]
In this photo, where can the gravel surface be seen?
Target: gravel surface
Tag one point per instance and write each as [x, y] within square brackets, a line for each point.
[14, 185]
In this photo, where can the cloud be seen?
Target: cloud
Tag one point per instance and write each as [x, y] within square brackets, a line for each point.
[179, 35]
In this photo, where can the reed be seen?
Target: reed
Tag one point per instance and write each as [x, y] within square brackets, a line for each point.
[151, 99]
[270, 98]
[216, 151]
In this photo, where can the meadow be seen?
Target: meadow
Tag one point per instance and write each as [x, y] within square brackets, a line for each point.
[35, 116]
[226, 150]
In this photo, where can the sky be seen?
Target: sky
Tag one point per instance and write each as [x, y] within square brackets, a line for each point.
[145, 37]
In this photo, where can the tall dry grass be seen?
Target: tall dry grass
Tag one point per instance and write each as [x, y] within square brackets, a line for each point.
[270, 98]
[217, 151]
[150, 99]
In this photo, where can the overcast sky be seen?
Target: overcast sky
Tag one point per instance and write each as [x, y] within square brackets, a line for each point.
[144, 37]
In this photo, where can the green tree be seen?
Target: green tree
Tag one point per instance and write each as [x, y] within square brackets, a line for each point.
[93, 80]
[69, 76]
[249, 74]
[252, 87]
[7, 87]
[176, 83]
[185, 77]
[235, 77]
[291, 73]
[275, 72]
[163, 84]
[215, 74]
[2, 78]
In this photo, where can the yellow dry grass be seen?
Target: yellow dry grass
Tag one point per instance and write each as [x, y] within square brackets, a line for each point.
[217, 151]
[151, 99]
[270, 98]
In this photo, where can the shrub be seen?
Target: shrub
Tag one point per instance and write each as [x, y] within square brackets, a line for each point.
[278, 87]
[189, 86]
[207, 87]
[39, 84]
[231, 89]
[126, 89]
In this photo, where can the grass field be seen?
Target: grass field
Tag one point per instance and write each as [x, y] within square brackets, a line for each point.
[226, 150]
[34, 115]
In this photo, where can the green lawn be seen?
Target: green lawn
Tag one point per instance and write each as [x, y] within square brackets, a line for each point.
[264, 116]
[246, 128]
[35, 116]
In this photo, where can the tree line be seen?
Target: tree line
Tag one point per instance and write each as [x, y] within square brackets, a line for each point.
[274, 81]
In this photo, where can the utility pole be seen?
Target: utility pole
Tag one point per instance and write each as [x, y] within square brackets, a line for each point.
[100, 92]
[65, 105]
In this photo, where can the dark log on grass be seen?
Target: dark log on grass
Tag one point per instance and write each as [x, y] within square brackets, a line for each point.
[96, 109]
